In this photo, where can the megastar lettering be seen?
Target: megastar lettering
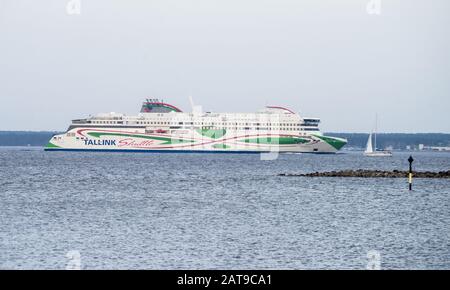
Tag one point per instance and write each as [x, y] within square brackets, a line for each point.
[100, 142]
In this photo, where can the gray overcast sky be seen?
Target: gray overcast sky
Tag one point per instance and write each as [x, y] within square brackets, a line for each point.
[323, 58]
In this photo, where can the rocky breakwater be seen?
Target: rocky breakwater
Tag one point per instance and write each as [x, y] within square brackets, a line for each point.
[363, 173]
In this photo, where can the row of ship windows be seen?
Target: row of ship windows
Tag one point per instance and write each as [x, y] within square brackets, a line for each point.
[105, 122]
[260, 128]
[200, 124]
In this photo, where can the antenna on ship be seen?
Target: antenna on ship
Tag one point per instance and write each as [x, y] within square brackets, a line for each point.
[191, 101]
[195, 109]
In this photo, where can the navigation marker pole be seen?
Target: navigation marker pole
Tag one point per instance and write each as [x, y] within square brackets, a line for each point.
[410, 160]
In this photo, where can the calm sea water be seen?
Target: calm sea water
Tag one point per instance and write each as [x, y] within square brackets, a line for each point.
[218, 211]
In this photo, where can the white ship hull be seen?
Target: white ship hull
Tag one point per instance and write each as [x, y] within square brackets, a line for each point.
[101, 139]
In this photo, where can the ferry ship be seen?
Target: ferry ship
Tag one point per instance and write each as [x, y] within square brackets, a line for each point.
[161, 127]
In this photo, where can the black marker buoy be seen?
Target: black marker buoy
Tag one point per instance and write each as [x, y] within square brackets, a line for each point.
[410, 160]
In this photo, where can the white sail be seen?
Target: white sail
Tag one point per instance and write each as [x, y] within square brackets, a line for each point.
[369, 148]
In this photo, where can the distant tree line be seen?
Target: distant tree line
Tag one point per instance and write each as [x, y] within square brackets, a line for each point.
[395, 140]
[355, 140]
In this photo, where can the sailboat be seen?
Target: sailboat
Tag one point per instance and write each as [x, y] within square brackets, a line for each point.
[372, 151]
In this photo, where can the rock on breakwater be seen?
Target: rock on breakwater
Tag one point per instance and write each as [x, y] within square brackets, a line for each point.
[363, 173]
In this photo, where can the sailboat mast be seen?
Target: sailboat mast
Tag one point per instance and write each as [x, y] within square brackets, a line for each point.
[376, 129]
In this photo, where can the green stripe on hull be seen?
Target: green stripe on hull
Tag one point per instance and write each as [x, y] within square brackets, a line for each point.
[221, 146]
[51, 145]
[212, 133]
[336, 143]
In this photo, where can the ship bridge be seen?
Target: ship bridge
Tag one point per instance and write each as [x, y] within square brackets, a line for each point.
[278, 110]
[157, 106]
